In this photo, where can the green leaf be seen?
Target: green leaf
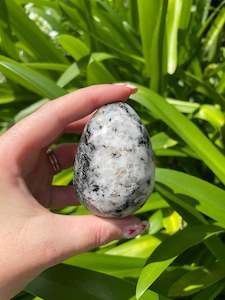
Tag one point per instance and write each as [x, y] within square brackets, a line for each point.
[158, 49]
[196, 280]
[168, 251]
[64, 281]
[212, 114]
[156, 222]
[214, 31]
[172, 221]
[185, 14]
[73, 46]
[75, 16]
[208, 198]
[71, 72]
[141, 247]
[155, 201]
[162, 141]
[6, 95]
[172, 26]
[27, 31]
[204, 88]
[119, 266]
[211, 292]
[48, 66]
[64, 177]
[29, 110]
[97, 73]
[7, 44]
[30, 79]
[184, 106]
[187, 131]
[148, 12]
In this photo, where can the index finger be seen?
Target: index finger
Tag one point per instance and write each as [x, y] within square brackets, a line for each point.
[43, 126]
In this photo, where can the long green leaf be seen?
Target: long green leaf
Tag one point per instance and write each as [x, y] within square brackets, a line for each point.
[73, 46]
[158, 50]
[196, 280]
[119, 266]
[187, 131]
[65, 282]
[214, 31]
[148, 12]
[27, 31]
[141, 247]
[168, 251]
[209, 199]
[30, 79]
[172, 27]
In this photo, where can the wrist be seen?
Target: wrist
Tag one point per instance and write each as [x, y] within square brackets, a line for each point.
[25, 256]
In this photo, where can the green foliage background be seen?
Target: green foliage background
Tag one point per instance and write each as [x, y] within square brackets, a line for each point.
[173, 50]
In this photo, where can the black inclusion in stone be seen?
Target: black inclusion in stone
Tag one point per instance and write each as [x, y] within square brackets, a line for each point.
[142, 141]
[95, 188]
[116, 155]
[148, 181]
[91, 146]
[124, 107]
[85, 165]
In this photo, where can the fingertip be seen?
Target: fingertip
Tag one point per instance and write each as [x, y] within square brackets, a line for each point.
[131, 88]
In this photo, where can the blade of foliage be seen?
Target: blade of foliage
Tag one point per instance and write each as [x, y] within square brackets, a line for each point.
[119, 266]
[29, 110]
[212, 114]
[209, 199]
[40, 46]
[187, 131]
[64, 177]
[73, 46]
[158, 50]
[185, 14]
[148, 12]
[155, 201]
[168, 251]
[172, 26]
[196, 280]
[48, 66]
[141, 247]
[64, 281]
[30, 79]
[187, 210]
[71, 72]
[211, 292]
[97, 73]
[214, 31]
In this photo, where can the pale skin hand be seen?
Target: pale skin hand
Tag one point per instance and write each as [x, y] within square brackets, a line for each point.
[32, 238]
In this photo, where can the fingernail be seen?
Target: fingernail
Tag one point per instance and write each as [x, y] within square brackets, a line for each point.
[133, 88]
[145, 226]
[133, 230]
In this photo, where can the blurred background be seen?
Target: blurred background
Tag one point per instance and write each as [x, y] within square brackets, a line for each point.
[174, 51]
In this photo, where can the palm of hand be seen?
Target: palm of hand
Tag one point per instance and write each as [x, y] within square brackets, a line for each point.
[27, 228]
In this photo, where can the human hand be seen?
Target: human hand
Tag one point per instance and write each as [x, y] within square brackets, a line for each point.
[33, 237]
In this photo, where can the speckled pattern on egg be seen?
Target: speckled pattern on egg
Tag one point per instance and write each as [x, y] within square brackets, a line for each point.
[114, 170]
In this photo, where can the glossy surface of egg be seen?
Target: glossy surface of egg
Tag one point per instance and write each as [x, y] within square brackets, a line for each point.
[114, 170]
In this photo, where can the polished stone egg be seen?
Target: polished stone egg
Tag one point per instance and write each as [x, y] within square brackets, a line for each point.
[114, 168]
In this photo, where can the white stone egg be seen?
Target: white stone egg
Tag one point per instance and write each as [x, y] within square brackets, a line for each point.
[114, 168]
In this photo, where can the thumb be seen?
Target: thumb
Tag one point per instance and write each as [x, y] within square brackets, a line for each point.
[75, 234]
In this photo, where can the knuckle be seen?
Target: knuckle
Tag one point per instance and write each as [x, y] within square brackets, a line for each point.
[103, 235]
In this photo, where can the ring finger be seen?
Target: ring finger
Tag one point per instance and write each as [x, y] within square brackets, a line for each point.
[63, 156]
